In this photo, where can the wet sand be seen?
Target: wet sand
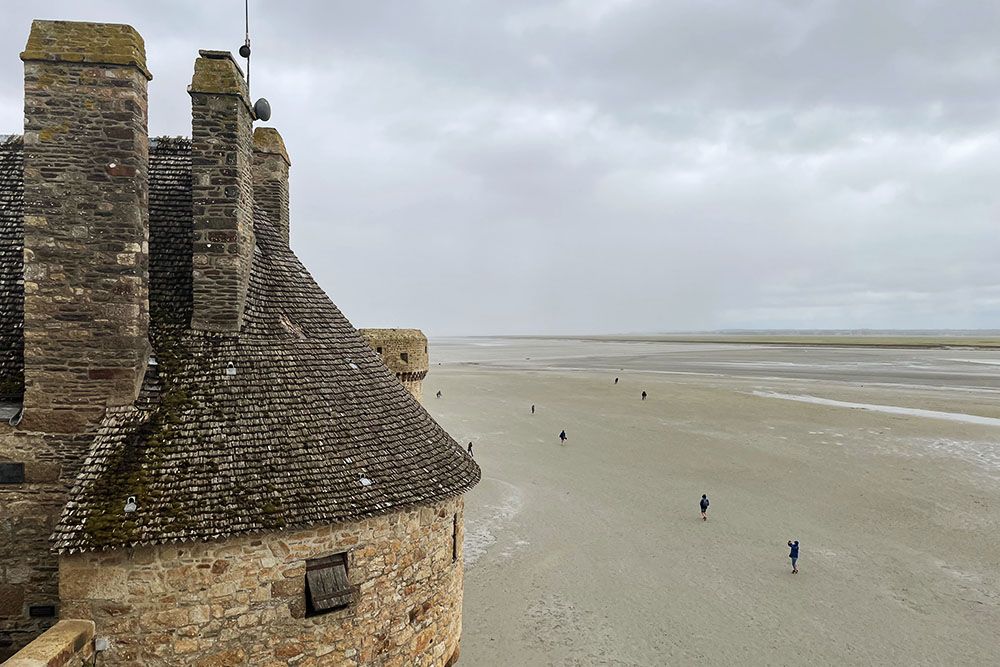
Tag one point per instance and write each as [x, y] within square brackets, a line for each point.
[593, 553]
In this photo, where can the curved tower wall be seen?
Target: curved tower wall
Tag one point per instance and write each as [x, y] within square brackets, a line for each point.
[243, 601]
[404, 351]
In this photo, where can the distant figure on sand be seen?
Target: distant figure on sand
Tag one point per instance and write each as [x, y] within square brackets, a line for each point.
[532, 408]
[616, 380]
[704, 507]
[644, 395]
[562, 437]
[439, 394]
[794, 555]
[470, 449]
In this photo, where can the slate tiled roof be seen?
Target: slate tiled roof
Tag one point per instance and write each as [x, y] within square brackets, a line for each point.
[11, 269]
[294, 422]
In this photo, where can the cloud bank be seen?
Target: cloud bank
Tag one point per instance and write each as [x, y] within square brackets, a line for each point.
[615, 165]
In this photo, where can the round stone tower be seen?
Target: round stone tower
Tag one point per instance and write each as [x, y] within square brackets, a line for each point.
[404, 351]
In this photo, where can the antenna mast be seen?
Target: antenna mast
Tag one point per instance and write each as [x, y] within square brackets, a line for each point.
[261, 108]
[245, 49]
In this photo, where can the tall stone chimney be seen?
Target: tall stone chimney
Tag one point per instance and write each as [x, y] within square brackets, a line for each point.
[222, 192]
[86, 150]
[270, 177]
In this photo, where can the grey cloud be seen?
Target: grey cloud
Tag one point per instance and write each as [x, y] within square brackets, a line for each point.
[616, 165]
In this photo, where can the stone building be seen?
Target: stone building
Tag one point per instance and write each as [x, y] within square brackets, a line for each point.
[404, 351]
[201, 460]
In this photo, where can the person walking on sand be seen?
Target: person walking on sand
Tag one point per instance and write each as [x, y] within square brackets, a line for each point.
[562, 437]
[644, 395]
[439, 394]
[532, 408]
[794, 555]
[704, 507]
[616, 380]
[470, 450]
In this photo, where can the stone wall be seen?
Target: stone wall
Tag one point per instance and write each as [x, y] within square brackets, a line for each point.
[86, 154]
[270, 177]
[242, 601]
[222, 192]
[404, 351]
[85, 283]
[28, 567]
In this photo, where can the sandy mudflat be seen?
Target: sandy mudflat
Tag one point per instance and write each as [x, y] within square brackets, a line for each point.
[593, 553]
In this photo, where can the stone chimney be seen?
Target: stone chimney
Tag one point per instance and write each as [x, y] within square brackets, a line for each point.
[222, 192]
[270, 177]
[86, 150]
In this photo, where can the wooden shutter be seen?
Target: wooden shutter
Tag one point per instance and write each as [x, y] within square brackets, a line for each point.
[327, 586]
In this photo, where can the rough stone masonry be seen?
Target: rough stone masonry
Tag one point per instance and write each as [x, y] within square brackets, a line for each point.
[205, 462]
[85, 281]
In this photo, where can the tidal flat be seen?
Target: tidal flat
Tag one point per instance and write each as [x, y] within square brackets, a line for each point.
[593, 552]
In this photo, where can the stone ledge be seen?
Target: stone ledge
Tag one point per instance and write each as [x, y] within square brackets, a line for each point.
[268, 140]
[218, 73]
[80, 42]
[65, 643]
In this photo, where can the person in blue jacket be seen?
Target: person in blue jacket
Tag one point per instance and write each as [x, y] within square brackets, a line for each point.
[794, 555]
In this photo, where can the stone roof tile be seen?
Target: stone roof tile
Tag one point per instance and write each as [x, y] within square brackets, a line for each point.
[293, 422]
[11, 269]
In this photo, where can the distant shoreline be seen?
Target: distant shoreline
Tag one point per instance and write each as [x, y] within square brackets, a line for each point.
[898, 342]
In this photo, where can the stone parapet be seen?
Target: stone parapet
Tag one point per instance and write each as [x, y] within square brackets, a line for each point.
[68, 643]
[242, 601]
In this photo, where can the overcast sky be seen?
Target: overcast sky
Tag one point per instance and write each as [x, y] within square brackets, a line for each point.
[509, 166]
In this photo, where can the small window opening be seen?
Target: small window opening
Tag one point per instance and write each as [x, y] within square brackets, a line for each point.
[454, 538]
[327, 587]
[42, 611]
[405, 356]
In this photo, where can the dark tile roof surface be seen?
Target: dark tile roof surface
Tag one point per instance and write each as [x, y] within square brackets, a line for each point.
[11, 269]
[294, 422]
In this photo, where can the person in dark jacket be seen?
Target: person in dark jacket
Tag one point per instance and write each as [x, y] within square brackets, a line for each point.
[644, 395]
[470, 450]
[794, 555]
[704, 507]
[562, 437]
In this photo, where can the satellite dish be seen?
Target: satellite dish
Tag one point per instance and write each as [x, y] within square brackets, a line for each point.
[245, 51]
[262, 109]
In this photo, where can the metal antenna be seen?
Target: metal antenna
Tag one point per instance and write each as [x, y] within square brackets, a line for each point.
[245, 49]
[261, 108]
